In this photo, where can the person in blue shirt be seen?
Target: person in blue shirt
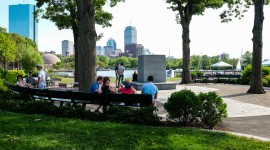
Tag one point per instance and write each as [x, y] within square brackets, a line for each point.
[150, 88]
[95, 86]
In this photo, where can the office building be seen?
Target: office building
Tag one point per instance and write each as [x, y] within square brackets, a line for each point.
[100, 51]
[134, 50]
[67, 48]
[111, 43]
[130, 35]
[22, 21]
[224, 55]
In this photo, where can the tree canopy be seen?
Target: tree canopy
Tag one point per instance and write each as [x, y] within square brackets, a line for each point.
[185, 10]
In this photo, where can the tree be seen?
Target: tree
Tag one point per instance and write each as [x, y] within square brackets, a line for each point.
[235, 7]
[247, 58]
[21, 46]
[186, 9]
[105, 60]
[68, 14]
[7, 49]
[30, 59]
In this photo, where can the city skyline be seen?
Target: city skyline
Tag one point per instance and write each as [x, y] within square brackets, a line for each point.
[158, 31]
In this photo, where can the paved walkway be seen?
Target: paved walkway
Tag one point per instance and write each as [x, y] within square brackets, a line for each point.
[243, 117]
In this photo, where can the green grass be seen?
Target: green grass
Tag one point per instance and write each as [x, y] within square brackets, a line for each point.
[20, 131]
[69, 80]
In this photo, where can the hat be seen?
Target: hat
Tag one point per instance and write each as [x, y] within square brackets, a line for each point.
[38, 65]
[126, 83]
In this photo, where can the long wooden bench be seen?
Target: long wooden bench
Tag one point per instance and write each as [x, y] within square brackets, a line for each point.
[84, 97]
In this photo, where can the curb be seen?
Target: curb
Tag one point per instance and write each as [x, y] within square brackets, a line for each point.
[244, 135]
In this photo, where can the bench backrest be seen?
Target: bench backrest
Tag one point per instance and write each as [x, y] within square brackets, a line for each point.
[85, 97]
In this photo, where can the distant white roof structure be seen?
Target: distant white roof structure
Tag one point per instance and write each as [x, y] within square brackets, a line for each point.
[221, 64]
[266, 62]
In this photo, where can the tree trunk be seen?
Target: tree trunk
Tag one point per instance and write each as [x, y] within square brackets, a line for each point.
[256, 86]
[186, 78]
[87, 46]
[76, 46]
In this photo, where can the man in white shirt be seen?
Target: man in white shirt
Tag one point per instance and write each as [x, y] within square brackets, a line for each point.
[41, 82]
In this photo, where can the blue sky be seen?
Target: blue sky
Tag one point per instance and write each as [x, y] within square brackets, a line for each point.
[158, 31]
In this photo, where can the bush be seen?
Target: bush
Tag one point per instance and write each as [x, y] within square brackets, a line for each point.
[214, 110]
[183, 106]
[133, 115]
[246, 75]
[118, 114]
[266, 81]
[10, 76]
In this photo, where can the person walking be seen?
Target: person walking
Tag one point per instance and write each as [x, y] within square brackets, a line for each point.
[41, 82]
[150, 88]
[121, 70]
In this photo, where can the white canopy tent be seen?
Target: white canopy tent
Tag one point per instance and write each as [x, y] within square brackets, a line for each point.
[221, 64]
[266, 62]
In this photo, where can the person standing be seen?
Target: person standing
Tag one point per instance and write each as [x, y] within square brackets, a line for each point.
[41, 82]
[150, 88]
[121, 70]
[116, 74]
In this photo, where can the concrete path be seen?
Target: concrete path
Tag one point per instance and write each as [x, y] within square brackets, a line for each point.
[243, 117]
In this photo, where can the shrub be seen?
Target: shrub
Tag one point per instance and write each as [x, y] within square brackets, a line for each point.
[213, 110]
[118, 114]
[133, 115]
[266, 80]
[9, 76]
[183, 106]
[246, 74]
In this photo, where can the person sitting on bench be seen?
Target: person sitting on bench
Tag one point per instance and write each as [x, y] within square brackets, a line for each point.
[22, 83]
[95, 86]
[126, 88]
[150, 88]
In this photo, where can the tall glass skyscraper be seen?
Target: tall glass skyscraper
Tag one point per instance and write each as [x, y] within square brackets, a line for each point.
[22, 21]
[130, 34]
[111, 43]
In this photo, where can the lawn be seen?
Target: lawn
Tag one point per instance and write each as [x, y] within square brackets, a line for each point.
[20, 131]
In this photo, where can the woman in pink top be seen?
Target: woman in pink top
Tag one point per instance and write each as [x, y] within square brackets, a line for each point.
[126, 88]
[22, 83]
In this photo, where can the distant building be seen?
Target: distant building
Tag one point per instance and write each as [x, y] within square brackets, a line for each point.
[50, 52]
[116, 53]
[50, 60]
[100, 51]
[224, 55]
[108, 50]
[130, 35]
[67, 48]
[111, 43]
[170, 57]
[22, 21]
[134, 50]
